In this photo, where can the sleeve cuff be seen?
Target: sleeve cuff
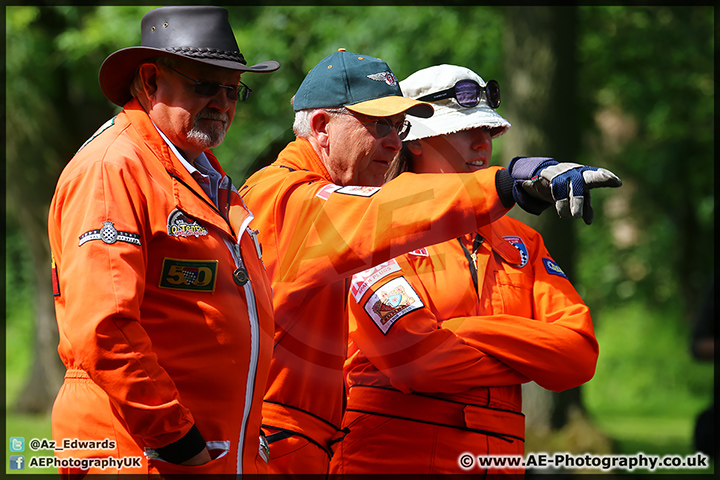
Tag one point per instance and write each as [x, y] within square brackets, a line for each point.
[184, 449]
[504, 186]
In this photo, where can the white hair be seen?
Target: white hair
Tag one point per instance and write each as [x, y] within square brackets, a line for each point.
[301, 125]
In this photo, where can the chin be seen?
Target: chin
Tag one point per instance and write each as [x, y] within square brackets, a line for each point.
[206, 138]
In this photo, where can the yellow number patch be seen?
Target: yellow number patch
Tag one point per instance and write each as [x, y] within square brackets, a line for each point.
[193, 275]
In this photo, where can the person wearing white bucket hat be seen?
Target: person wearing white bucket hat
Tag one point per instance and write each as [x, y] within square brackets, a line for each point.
[441, 338]
[461, 98]
[161, 297]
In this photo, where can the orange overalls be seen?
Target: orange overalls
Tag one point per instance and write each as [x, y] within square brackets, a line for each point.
[163, 306]
[441, 340]
[315, 235]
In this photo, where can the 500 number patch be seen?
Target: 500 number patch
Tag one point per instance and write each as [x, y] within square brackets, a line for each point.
[195, 275]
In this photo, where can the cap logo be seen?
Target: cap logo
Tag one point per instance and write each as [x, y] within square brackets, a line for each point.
[387, 77]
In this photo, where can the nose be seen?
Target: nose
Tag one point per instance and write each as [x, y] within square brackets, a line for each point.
[481, 139]
[221, 101]
[392, 141]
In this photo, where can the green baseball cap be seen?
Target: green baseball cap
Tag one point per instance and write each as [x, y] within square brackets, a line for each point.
[360, 83]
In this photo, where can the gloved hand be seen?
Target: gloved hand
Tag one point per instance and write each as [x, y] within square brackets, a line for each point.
[540, 181]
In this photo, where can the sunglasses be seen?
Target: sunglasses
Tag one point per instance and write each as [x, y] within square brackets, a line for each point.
[383, 126]
[239, 92]
[468, 93]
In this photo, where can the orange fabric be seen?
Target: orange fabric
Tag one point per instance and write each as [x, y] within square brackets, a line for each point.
[154, 331]
[296, 454]
[315, 235]
[419, 326]
[413, 434]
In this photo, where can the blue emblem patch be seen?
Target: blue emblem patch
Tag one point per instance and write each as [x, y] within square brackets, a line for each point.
[553, 268]
[518, 243]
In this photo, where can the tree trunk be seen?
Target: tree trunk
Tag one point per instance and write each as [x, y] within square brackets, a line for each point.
[43, 134]
[539, 103]
[47, 371]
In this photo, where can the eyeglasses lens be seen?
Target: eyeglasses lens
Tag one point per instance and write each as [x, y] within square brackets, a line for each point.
[384, 126]
[207, 89]
[210, 89]
[404, 130]
[467, 93]
[492, 90]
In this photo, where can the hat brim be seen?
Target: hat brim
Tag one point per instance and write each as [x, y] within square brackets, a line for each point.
[451, 119]
[392, 105]
[118, 69]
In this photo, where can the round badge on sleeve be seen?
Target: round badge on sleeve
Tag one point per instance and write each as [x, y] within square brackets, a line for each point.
[108, 233]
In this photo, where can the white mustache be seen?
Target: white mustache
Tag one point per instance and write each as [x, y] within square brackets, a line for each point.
[213, 115]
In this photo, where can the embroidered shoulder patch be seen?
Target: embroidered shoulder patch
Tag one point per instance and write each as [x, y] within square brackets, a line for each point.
[196, 275]
[553, 268]
[325, 191]
[518, 243]
[367, 278]
[109, 234]
[180, 225]
[358, 190]
[391, 302]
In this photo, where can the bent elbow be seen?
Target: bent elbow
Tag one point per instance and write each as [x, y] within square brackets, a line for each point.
[579, 371]
[585, 372]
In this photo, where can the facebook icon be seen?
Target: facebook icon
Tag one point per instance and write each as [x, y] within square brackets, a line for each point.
[17, 462]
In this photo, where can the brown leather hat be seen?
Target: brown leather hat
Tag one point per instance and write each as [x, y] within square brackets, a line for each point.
[202, 34]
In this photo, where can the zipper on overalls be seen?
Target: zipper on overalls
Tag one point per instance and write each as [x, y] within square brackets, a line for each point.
[472, 256]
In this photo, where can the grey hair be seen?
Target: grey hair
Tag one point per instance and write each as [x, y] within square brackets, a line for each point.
[301, 125]
[136, 86]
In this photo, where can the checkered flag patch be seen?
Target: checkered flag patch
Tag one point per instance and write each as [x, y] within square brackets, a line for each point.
[191, 275]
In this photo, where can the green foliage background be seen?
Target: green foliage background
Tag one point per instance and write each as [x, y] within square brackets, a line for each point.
[645, 105]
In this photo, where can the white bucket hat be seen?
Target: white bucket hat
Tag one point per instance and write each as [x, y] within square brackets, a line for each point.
[449, 116]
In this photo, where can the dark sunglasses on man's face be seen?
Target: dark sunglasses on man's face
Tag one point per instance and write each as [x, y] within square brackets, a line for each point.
[239, 92]
[468, 93]
[383, 126]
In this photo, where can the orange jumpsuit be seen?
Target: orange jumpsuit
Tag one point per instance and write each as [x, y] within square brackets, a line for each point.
[315, 235]
[437, 357]
[165, 340]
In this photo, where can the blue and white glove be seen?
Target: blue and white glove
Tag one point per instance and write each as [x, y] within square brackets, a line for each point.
[540, 181]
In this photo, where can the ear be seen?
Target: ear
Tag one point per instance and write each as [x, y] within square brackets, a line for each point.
[148, 74]
[415, 147]
[319, 122]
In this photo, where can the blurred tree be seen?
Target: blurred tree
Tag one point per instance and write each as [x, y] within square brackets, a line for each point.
[648, 105]
[52, 107]
[540, 102]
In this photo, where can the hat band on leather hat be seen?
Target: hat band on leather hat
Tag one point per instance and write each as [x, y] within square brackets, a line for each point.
[361, 83]
[197, 33]
[207, 53]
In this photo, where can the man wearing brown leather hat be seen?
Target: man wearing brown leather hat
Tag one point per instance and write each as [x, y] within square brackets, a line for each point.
[162, 302]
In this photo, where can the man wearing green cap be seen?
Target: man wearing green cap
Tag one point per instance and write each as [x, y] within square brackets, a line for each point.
[322, 217]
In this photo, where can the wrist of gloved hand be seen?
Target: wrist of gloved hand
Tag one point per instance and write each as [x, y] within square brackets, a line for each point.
[530, 191]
